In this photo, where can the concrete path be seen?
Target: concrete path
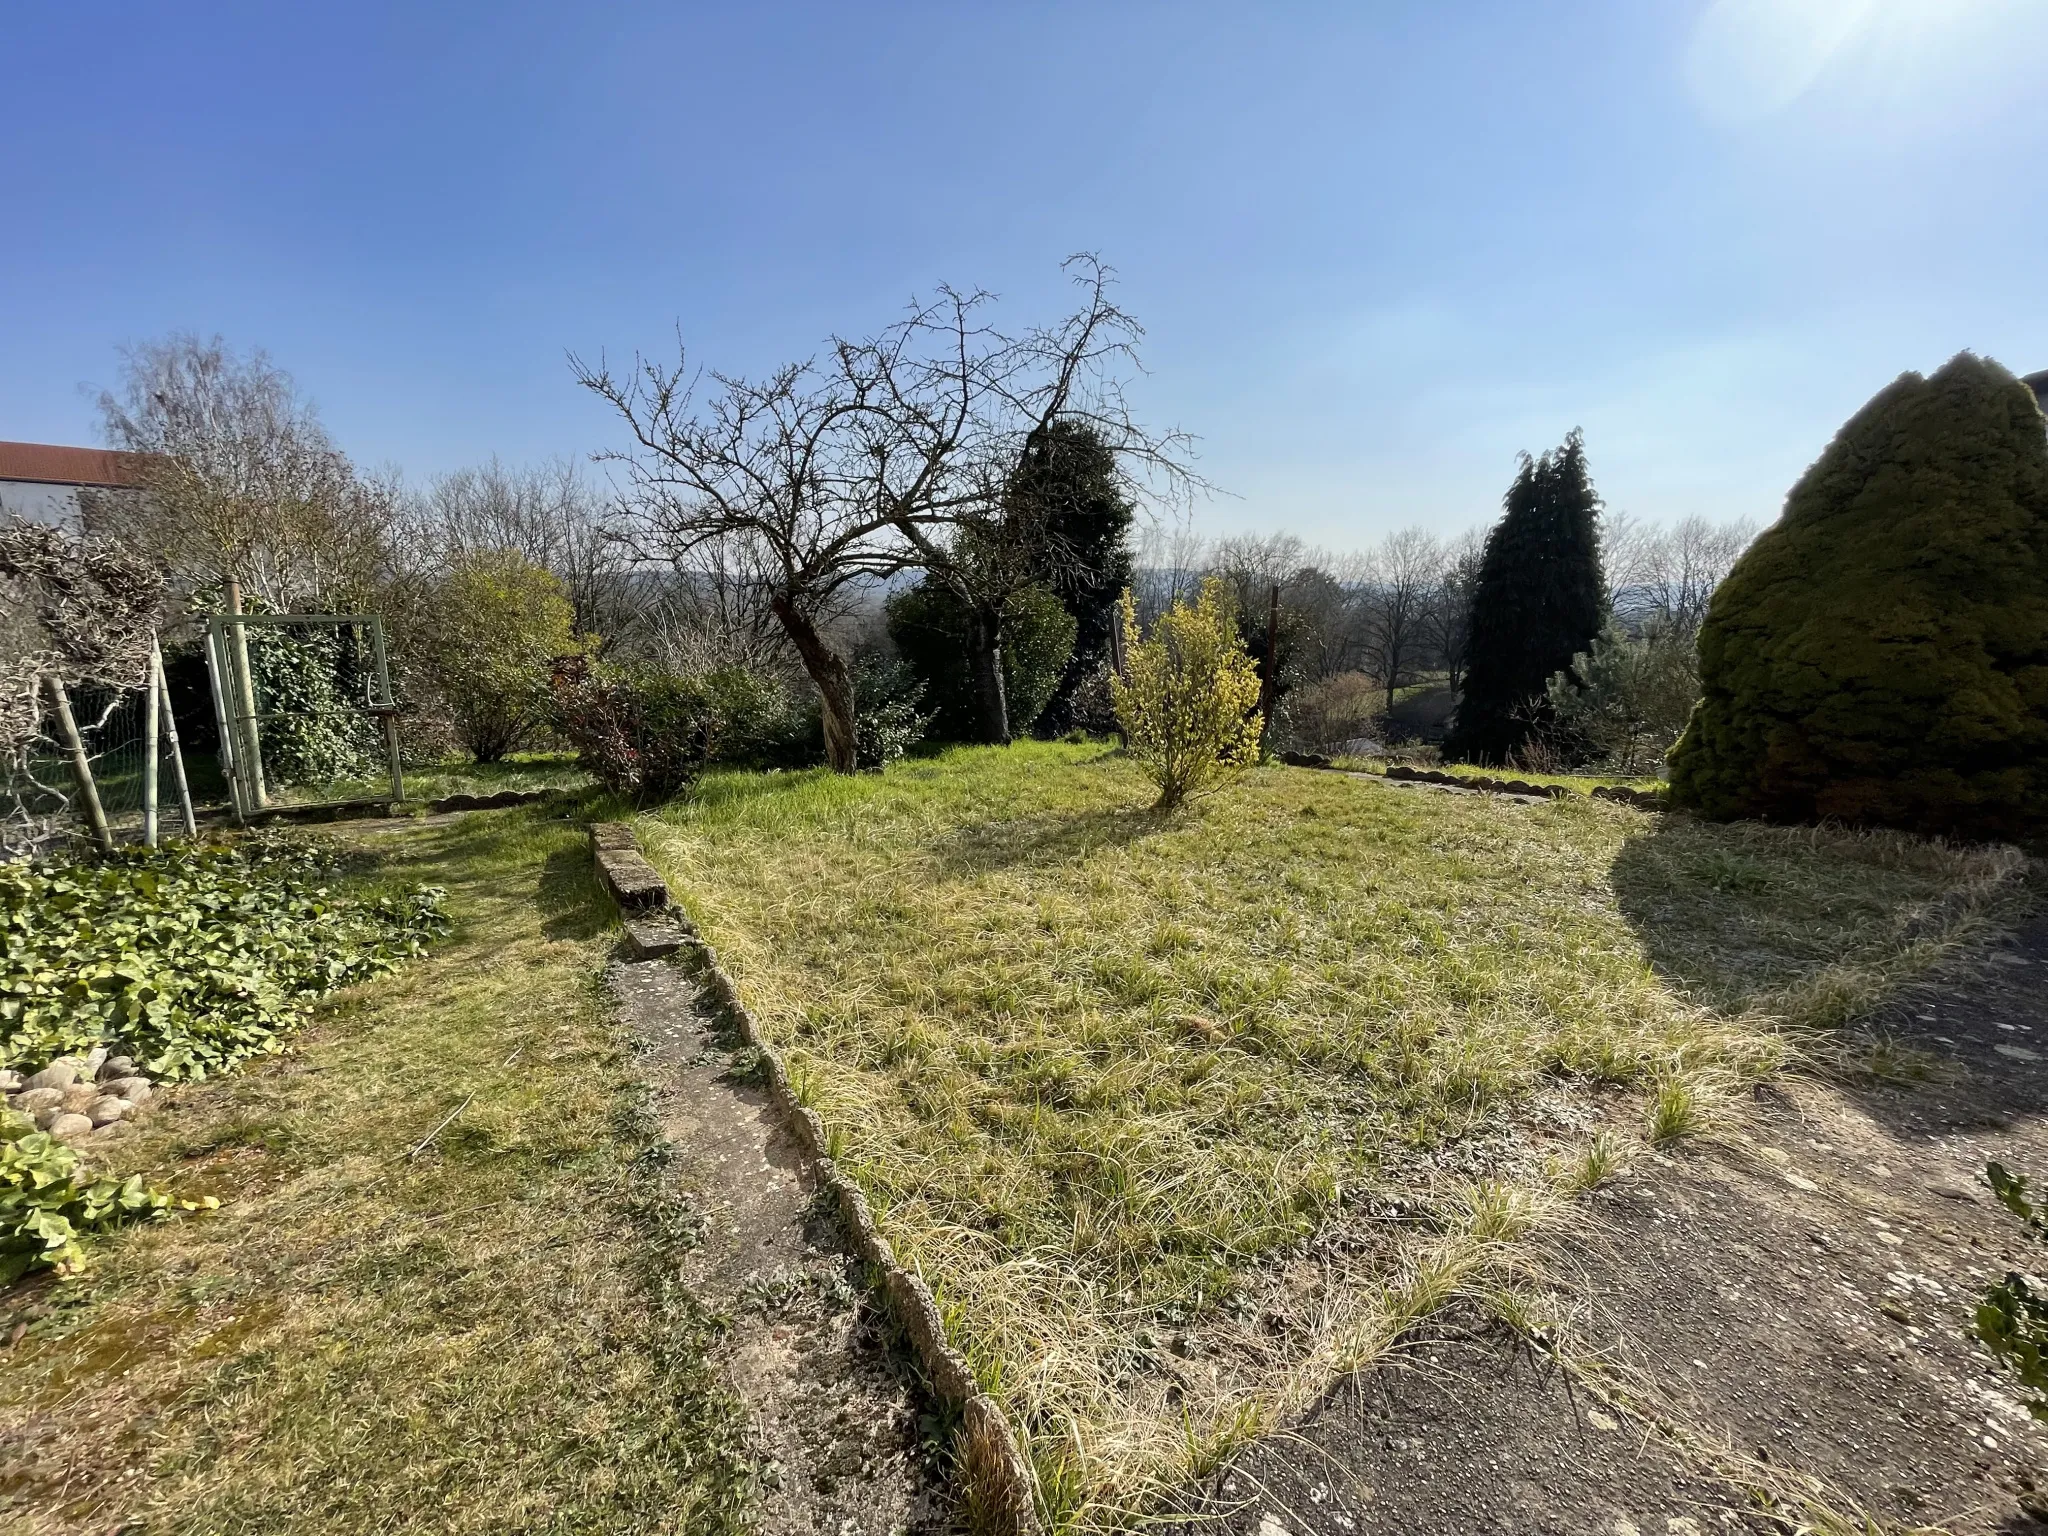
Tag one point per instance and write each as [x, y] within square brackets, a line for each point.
[834, 1409]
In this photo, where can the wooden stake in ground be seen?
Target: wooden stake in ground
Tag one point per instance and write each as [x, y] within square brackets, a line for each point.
[81, 766]
[1269, 690]
[151, 707]
[249, 745]
[163, 693]
[1116, 662]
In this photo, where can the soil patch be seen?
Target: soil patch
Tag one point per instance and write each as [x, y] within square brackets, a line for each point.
[1779, 1316]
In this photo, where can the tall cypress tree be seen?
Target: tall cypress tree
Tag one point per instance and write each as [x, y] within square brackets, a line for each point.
[1539, 601]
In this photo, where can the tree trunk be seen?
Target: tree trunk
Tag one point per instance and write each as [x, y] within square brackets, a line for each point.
[834, 683]
[991, 699]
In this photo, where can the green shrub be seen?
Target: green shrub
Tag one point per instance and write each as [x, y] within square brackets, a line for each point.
[887, 722]
[45, 1208]
[763, 721]
[642, 731]
[2012, 1318]
[1880, 655]
[306, 683]
[190, 956]
[1625, 701]
[495, 624]
[1188, 699]
[930, 628]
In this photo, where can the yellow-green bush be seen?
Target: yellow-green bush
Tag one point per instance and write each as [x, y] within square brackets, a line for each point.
[1185, 702]
[498, 621]
[1881, 653]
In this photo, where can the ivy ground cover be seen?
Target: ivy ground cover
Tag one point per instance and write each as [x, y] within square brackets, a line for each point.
[479, 1334]
[1182, 1115]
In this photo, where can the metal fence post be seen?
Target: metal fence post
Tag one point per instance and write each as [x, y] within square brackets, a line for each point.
[389, 707]
[151, 712]
[245, 699]
[216, 676]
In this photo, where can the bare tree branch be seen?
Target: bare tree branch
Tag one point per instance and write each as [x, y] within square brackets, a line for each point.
[882, 455]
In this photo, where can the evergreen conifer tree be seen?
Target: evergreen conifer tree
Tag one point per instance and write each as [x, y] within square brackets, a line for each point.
[933, 633]
[1075, 492]
[1539, 601]
[1880, 655]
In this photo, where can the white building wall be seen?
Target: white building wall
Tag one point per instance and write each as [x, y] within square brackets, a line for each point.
[36, 502]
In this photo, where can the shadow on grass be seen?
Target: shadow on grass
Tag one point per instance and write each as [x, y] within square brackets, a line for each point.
[1732, 917]
[984, 846]
[572, 903]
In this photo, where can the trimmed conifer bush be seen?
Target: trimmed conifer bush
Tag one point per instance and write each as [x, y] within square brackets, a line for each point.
[1539, 602]
[1880, 655]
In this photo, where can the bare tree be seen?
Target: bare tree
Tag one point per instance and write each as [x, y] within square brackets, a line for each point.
[71, 611]
[713, 611]
[889, 454]
[243, 482]
[1404, 571]
[1172, 560]
[1320, 611]
[1447, 615]
[1663, 575]
[547, 513]
[1066, 379]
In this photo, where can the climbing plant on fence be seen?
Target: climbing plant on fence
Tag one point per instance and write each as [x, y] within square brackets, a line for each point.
[306, 681]
[191, 958]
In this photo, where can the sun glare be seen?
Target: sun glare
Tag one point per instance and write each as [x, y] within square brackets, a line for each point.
[1749, 59]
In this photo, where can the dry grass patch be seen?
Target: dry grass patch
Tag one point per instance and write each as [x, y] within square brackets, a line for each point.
[481, 1338]
[1110, 1079]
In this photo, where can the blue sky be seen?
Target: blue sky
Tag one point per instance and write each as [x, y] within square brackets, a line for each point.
[1378, 248]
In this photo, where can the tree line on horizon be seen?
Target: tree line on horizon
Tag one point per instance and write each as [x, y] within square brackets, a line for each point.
[1009, 635]
[928, 530]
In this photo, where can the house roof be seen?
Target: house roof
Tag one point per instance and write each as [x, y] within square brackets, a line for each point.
[50, 464]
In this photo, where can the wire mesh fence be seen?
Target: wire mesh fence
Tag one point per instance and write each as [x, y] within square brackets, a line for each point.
[304, 705]
[251, 714]
[44, 800]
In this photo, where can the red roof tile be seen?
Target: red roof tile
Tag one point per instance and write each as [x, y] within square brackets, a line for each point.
[49, 464]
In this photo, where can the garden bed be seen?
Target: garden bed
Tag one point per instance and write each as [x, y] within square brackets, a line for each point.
[1179, 1117]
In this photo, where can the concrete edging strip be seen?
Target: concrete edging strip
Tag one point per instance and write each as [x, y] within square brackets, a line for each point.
[998, 1485]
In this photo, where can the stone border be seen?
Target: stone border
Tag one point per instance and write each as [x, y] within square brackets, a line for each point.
[1621, 794]
[997, 1483]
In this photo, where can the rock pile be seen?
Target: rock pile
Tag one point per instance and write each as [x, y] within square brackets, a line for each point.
[74, 1096]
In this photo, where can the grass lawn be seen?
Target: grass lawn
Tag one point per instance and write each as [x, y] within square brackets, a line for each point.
[1120, 1084]
[476, 1339]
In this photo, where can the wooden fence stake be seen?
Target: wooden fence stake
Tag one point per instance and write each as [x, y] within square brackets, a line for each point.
[81, 766]
[1270, 692]
[163, 690]
[250, 744]
[151, 713]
